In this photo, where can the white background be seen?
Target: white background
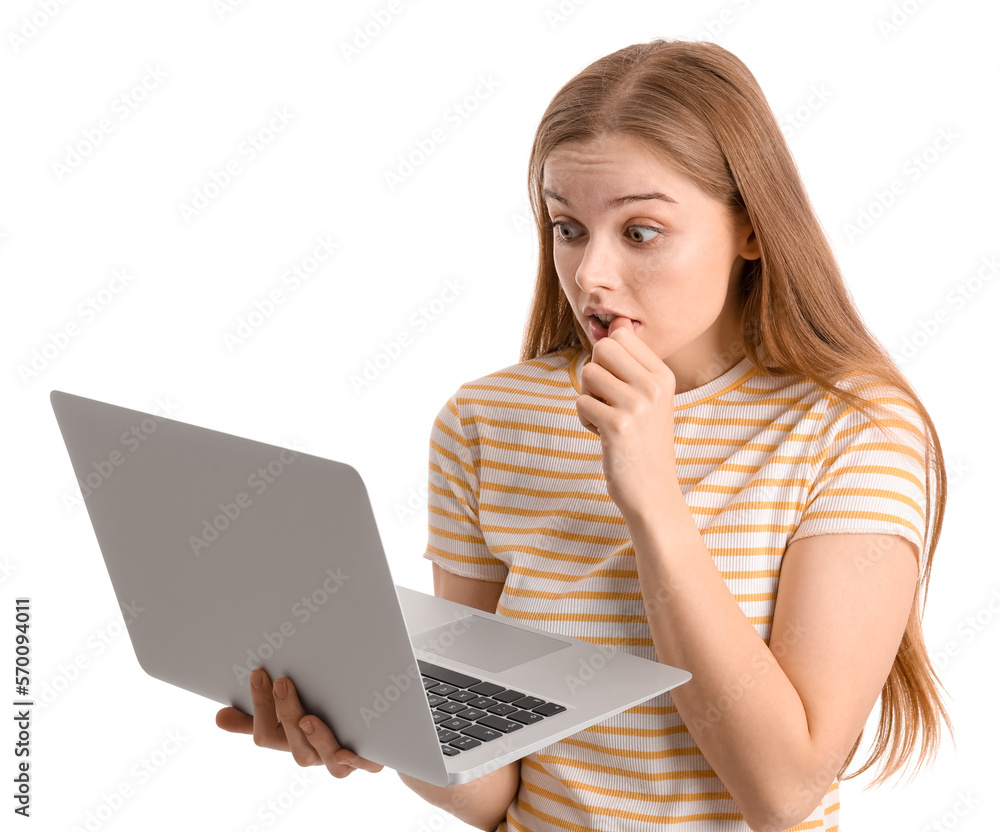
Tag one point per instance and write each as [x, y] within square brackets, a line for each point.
[459, 217]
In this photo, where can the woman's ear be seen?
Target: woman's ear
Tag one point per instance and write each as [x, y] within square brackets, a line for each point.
[749, 247]
[751, 250]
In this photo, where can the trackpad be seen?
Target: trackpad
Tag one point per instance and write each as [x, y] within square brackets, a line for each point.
[483, 642]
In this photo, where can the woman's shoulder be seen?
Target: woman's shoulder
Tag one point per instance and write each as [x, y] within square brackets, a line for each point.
[551, 373]
[866, 404]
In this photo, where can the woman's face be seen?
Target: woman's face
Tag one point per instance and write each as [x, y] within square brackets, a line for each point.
[634, 236]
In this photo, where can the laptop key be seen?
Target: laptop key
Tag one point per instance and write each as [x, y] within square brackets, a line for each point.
[527, 702]
[465, 743]
[527, 717]
[445, 735]
[486, 688]
[471, 714]
[499, 724]
[440, 716]
[442, 690]
[483, 702]
[464, 696]
[443, 674]
[502, 709]
[456, 724]
[449, 751]
[451, 707]
[549, 709]
[429, 683]
[481, 732]
[434, 701]
[506, 695]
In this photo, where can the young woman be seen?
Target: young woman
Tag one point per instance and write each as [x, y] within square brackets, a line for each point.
[703, 458]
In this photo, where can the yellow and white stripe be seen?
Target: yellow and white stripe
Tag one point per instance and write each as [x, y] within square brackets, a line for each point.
[517, 495]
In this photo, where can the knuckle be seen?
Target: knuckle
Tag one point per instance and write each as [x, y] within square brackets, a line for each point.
[304, 758]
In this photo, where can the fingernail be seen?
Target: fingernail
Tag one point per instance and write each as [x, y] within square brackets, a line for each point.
[256, 679]
[280, 689]
[306, 726]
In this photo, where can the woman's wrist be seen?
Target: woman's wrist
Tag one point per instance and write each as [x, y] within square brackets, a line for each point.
[659, 505]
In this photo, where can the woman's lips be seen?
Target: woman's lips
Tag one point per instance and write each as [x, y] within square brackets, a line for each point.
[597, 330]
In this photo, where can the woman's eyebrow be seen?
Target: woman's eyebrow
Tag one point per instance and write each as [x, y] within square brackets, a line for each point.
[617, 202]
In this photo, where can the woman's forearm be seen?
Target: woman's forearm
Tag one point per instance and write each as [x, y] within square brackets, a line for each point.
[481, 803]
[740, 708]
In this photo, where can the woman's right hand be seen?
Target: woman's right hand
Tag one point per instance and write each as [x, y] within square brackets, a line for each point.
[279, 722]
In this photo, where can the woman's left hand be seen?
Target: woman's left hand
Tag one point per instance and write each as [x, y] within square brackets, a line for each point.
[627, 399]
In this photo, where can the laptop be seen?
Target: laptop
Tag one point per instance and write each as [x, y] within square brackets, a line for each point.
[232, 554]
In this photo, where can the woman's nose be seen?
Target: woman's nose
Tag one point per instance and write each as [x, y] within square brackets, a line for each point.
[598, 268]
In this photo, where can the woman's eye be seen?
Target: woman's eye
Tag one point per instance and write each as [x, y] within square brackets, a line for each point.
[635, 232]
[562, 227]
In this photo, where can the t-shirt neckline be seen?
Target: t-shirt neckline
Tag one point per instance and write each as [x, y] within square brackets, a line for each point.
[727, 380]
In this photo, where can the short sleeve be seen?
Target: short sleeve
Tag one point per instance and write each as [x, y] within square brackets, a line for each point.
[454, 537]
[866, 481]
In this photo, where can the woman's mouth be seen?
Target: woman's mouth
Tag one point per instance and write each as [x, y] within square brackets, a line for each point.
[597, 330]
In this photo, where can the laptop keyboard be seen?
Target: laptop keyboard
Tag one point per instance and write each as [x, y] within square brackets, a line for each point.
[469, 711]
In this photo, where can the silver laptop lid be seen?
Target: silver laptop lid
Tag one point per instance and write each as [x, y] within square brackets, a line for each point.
[237, 553]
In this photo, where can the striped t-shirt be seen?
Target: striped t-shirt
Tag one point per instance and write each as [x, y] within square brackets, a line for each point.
[517, 495]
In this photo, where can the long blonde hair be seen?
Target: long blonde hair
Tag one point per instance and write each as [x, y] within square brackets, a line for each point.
[701, 107]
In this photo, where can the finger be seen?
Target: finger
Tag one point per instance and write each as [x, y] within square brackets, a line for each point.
[620, 322]
[339, 761]
[604, 380]
[593, 413]
[290, 711]
[235, 720]
[637, 348]
[267, 732]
